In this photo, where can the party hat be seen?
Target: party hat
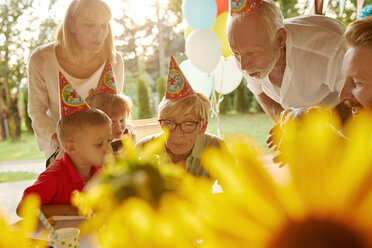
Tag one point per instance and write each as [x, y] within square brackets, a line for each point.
[71, 101]
[177, 86]
[106, 82]
[244, 6]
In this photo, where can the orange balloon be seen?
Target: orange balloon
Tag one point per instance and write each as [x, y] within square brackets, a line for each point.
[222, 6]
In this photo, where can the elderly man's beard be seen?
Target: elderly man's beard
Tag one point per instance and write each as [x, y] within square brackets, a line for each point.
[264, 72]
[354, 105]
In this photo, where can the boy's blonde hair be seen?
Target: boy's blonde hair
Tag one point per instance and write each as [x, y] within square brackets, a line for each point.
[359, 33]
[91, 9]
[112, 104]
[196, 104]
[69, 126]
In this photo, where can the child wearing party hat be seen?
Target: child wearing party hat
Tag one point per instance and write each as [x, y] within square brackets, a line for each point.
[85, 136]
[184, 113]
[116, 105]
[106, 85]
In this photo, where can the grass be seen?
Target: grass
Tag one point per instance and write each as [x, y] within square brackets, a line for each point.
[16, 176]
[24, 149]
[256, 126]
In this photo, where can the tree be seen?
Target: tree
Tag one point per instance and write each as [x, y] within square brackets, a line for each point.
[241, 99]
[130, 41]
[160, 87]
[17, 40]
[225, 105]
[175, 7]
[144, 110]
[12, 65]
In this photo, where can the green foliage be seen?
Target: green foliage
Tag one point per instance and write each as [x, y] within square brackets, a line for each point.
[254, 106]
[289, 8]
[131, 47]
[12, 65]
[241, 103]
[349, 13]
[160, 88]
[15, 176]
[226, 105]
[293, 8]
[130, 89]
[175, 7]
[144, 110]
[18, 40]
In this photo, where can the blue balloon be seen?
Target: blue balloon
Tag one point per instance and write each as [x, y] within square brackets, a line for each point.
[366, 11]
[199, 13]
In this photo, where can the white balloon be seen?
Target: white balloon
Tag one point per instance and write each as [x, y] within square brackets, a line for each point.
[204, 49]
[199, 80]
[229, 72]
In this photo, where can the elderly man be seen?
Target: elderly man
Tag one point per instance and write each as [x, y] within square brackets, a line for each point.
[357, 65]
[292, 63]
[357, 69]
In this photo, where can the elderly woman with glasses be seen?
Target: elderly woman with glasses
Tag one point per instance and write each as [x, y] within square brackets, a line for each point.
[185, 114]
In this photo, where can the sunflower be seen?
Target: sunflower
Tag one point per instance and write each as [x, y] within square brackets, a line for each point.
[140, 201]
[326, 202]
[20, 235]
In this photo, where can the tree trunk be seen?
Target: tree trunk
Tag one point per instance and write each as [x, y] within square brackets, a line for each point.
[3, 131]
[14, 122]
[2, 126]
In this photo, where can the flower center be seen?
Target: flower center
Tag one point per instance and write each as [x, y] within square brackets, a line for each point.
[318, 233]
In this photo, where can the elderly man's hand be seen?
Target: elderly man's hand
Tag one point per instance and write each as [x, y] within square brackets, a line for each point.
[276, 132]
[271, 140]
[276, 135]
[274, 142]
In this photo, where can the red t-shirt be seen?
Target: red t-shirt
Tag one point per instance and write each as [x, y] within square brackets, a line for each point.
[56, 184]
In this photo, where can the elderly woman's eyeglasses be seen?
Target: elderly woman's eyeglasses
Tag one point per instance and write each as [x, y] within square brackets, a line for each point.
[186, 127]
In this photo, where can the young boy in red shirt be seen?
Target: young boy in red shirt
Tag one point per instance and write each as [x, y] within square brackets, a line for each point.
[85, 136]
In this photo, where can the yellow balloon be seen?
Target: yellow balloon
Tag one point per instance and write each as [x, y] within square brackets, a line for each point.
[187, 31]
[219, 27]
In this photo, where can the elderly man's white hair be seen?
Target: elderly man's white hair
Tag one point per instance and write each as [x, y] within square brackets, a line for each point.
[270, 12]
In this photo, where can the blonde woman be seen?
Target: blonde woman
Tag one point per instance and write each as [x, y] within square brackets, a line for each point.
[82, 50]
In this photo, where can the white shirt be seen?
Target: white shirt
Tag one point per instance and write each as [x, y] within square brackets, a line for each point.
[314, 54]
[43, 92]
